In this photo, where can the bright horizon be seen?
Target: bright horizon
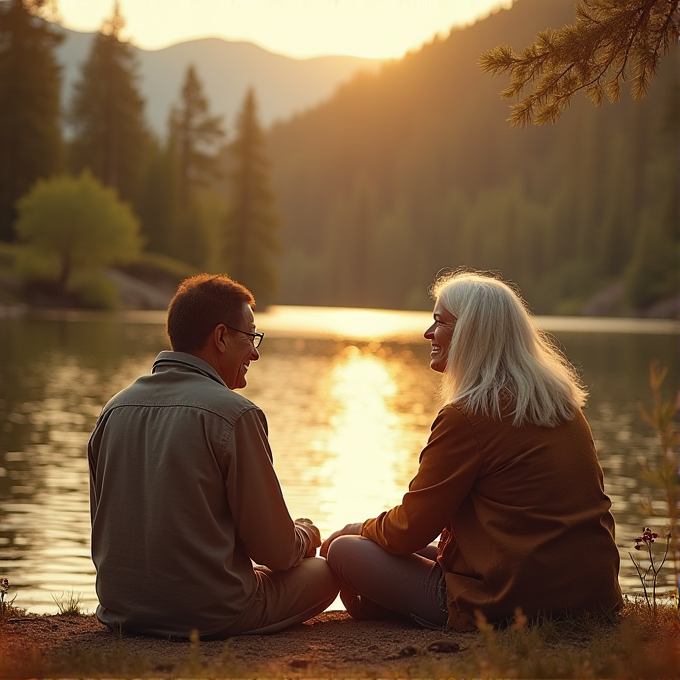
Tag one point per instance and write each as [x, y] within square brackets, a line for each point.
[376, 29]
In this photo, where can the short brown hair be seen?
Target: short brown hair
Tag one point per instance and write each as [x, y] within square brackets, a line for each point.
[201, 303]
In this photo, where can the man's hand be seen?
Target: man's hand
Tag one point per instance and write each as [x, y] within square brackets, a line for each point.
[313, 533]
[348, 530]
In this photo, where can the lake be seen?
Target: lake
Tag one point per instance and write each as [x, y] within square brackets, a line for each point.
[349, 399]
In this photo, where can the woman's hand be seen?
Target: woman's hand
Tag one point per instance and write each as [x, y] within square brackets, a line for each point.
[348, 530]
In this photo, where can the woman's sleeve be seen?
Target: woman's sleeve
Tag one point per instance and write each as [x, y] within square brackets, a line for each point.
[449, 465]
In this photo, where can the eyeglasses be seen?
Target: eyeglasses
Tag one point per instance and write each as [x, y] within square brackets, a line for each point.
[257, 337]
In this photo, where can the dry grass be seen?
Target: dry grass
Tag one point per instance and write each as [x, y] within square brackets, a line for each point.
[635, 644]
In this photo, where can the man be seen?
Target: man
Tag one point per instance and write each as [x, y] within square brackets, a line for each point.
[184, 498]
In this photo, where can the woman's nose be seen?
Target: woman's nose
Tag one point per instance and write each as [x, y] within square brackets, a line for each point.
[429, 333]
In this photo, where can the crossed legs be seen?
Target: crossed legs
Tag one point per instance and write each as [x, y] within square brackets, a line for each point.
[375, 584]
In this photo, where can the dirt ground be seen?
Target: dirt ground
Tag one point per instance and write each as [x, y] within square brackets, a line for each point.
[329, 645]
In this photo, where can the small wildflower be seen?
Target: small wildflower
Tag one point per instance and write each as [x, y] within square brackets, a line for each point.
[645, 542]
[649, 536]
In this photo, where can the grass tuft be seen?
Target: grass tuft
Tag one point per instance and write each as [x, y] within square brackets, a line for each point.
[68, 604]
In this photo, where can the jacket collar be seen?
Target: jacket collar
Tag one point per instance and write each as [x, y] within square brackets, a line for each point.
[167, 359]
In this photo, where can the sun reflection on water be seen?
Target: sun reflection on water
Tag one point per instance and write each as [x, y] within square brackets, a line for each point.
[366, 457]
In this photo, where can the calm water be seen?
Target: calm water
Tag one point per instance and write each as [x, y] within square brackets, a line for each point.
[348, 396]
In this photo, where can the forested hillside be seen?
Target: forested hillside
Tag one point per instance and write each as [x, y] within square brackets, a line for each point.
[415, 169]
[360, 200]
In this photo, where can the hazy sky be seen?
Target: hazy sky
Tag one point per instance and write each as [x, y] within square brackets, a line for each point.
[295, 28]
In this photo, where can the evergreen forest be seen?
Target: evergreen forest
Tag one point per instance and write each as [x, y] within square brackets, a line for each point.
[359, 201]
[415, 170]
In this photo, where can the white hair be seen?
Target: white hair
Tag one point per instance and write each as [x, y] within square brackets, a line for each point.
[497, 352]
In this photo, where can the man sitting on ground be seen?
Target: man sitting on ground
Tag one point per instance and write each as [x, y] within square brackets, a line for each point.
[184, 497]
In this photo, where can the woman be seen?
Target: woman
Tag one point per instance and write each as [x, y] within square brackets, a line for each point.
[509, 480]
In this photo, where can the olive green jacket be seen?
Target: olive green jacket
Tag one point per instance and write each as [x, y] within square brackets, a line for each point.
[184, 498]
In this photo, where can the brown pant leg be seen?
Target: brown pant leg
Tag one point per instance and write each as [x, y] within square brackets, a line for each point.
[284, 598]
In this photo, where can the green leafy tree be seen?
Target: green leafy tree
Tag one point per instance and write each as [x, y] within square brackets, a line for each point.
[610, 43]
[107, 113]
[194, 139]
[30, 137]
[252, 222]
[74, 224]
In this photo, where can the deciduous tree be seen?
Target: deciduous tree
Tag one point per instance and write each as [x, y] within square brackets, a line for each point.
[610, 43]
[30, 137]
[74, 224]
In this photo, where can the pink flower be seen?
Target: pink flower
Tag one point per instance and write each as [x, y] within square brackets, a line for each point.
[4, 585]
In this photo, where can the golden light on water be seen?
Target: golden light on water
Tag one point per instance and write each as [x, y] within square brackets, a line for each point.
[365, 451]
[360, 324]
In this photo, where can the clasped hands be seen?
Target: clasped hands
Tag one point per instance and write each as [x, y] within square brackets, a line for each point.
[347, 530]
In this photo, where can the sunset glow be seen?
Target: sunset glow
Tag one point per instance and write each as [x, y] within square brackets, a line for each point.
[380, 29]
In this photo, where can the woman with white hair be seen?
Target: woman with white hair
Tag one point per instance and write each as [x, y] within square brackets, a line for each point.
[509, 480]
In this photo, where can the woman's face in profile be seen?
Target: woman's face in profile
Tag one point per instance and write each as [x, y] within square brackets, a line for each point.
[440, 334]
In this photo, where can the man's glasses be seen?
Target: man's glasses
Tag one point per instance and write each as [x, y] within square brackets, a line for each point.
[257, 337]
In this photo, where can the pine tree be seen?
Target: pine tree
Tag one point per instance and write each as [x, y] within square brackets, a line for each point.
[30, 137]
[610, 43]
[193, 141]
[252, 222]
[196, 135]
[107, 112]
[157, 205]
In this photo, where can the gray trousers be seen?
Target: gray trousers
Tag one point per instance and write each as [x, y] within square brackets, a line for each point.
[284, 598]
[375, 584]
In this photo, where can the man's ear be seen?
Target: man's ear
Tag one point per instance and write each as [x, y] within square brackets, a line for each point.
[220, 337]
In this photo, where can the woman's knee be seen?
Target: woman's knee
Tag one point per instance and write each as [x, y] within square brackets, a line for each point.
[345, 548]
[354, 557]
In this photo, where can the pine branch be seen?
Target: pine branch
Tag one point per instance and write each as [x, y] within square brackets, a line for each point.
[610, 42]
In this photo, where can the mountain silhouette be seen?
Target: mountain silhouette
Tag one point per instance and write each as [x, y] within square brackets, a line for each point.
[283, 86]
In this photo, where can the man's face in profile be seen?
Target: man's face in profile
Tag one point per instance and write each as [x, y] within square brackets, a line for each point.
[240, 351]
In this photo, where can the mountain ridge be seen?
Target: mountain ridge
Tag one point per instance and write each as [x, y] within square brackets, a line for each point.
[283, 85]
